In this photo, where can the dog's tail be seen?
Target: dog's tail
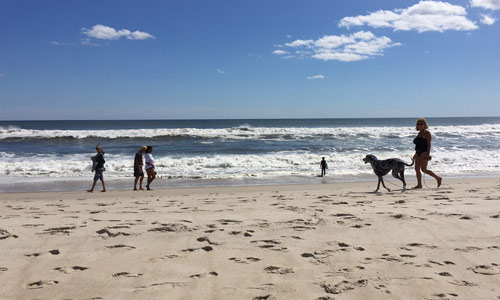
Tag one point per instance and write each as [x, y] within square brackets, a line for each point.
[412, 162]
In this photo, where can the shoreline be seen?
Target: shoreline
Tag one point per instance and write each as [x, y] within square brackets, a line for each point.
[207, 189]
[35, 185]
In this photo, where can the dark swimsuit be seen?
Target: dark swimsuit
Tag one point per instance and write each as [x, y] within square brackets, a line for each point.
[420, 145]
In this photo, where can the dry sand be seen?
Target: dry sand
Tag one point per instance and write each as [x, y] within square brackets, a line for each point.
[330, 241]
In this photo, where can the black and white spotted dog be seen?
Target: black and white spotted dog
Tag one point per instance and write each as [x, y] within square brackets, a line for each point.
[382, 167]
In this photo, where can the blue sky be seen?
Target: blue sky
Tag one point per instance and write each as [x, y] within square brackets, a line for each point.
[248, 59]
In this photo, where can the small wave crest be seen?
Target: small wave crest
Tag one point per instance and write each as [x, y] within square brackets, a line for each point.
[245, 131]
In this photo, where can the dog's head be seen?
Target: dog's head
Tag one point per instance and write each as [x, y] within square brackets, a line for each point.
[369, 158]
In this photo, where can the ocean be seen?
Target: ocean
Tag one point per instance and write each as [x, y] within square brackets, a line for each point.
[55, 155]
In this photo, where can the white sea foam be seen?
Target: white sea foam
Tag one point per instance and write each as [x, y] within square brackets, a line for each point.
[445, 162]
[247, 132]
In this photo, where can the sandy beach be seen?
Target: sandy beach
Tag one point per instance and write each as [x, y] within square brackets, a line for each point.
[330, 241]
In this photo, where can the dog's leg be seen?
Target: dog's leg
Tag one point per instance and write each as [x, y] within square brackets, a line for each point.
[399, 174]
[402, 175]
[383, 184]
[378, 185]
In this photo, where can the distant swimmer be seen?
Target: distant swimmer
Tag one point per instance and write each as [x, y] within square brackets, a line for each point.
[150, 166]
[423, 153]
[98, 167]
[138, 171]
[324, 166]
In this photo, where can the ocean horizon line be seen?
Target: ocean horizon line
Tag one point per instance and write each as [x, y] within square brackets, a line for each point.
[254, 119]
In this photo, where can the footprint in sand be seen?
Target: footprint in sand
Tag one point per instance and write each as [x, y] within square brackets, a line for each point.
[126, 274]
[4, 234]
[248, 233]
[444, 296]
[65, 230]
[68, 270]
[388, 257]
[244, 260]
[462, 283]
[270, 244]
[3, 269]
[343, 286]
[53, 252]
[41, 284]
[172, 227]
[468, 249]
[227, 222]
[278, 270]
[206, 248]
[196, 276]
[206, 239]
[108, 234]
[121, 247]
[383, 288]
[419, 245]
[267, 297]
[493, 269]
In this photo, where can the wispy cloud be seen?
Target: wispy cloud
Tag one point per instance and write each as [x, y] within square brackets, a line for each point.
[488, 20]
[1, 75]
[488, 4]
[219, 71]
[280, 52]
[357, 46]
[59, 43]
[108, 33]
[316, 77]
[423, 16]
[88, 42]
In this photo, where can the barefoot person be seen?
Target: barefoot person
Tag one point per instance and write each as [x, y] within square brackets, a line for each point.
[324, 166]
[150, 166]
[98, 168]
[422, 153]
[138, 171]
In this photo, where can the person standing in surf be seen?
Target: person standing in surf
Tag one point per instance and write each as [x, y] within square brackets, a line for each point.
[422, 153]
[98, 167]
[324, 166]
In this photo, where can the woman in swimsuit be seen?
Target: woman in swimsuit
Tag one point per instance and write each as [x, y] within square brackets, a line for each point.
[422, 153]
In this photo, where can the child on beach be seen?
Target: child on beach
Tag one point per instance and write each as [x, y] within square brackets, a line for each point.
[324, 166]
[98, 167]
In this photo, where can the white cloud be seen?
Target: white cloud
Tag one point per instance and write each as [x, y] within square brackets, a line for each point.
[58, 43]
[280, 52]
[423, 16]
[316, 77]
[357, 46]
[219, 71]
[488, 4]
[88, 42]
[1, 75]
[488, 20]
[108, 33]
[299, 43]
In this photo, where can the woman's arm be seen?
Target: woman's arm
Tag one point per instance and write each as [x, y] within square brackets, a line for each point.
[428, 138]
